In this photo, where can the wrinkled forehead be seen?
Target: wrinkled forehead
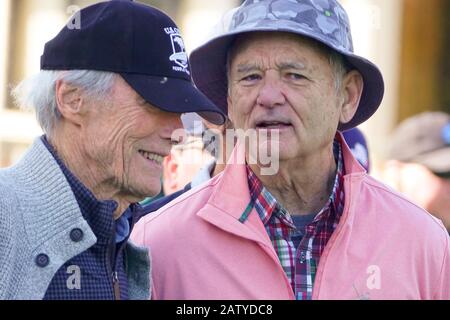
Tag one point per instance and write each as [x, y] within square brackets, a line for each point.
[248, 41]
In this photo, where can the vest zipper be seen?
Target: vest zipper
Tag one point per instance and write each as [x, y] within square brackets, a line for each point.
[115, 280]
[112, 266]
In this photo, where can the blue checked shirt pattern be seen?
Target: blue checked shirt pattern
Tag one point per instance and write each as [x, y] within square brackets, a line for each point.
[299, 264]
[95, 263]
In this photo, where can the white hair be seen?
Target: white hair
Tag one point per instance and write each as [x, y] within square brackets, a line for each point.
[340, 68]
[38, 92]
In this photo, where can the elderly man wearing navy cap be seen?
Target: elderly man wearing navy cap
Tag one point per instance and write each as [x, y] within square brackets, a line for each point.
[319, 227]
[108, 98]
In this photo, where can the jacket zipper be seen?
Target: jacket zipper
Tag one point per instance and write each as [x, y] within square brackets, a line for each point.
[111, 254]
[271, 253]
[334, 237]
[116, 285]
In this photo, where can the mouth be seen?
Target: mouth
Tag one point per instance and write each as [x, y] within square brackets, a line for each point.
[270, 125]
[151, 156]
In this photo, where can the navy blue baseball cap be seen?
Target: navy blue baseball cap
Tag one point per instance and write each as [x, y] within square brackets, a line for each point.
[138, 42]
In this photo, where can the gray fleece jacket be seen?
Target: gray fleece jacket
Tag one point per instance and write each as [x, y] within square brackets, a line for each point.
[37, 213]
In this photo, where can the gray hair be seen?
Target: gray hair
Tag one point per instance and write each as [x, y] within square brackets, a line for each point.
[38, 92]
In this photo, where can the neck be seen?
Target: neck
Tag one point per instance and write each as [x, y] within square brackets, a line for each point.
[85, 169]
[302, 189]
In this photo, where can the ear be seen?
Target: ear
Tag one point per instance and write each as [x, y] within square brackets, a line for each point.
[352, 86]
[69, 101]
[170, 173]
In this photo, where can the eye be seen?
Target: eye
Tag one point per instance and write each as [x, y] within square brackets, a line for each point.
[251, 78]
[295, 76]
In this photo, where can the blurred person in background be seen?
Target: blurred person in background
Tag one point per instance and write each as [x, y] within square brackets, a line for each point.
[187, 158]
[419, 165]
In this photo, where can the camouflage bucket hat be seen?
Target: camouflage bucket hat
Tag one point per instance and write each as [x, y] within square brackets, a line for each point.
[322, 20]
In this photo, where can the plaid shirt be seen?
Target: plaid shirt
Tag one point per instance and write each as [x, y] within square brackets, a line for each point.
[300, 264]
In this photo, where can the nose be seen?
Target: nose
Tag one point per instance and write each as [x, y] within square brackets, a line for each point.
[270, 94]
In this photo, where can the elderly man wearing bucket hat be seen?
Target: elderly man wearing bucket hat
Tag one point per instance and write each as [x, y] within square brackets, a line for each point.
[108, 98]
[320, 227]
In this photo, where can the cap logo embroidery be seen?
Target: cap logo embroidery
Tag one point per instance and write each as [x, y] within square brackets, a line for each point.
[179, 55]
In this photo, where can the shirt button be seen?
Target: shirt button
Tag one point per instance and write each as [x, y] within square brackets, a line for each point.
[76, 235]
[42, 260]
[302, 257]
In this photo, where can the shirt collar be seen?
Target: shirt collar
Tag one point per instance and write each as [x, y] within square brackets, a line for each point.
[266, 204]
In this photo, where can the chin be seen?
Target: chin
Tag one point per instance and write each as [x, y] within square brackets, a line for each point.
[266, 153]
[284, 150]
[285, 155]
[146, 189]
[154, 191]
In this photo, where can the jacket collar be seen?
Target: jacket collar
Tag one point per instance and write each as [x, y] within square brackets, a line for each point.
[231, 195]
[55, 208]
[99, 214]
[230, 199]
[352, 167]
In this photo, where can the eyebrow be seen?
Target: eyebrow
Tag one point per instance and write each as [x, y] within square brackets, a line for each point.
[249, 67]
[291, 65]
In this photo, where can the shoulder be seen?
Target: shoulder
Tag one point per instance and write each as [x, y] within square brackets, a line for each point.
[186, 203]
[8, 186]
[8, 229]
[176, 215]
[396, 211]
[7, 193]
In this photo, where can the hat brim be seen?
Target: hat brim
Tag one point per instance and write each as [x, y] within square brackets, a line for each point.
[174, 95]
[437, 161]
[208, 66]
